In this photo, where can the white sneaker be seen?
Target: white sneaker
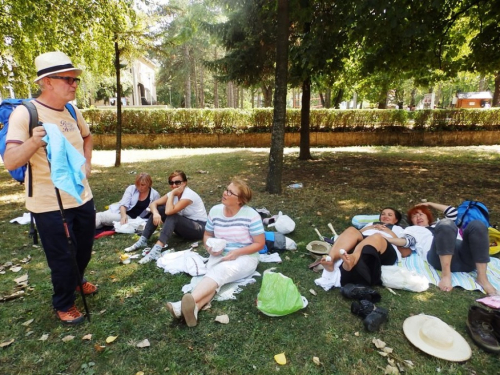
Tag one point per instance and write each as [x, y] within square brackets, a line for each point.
[175, 309]
[154, 254]
[142, 242]
[189, 310]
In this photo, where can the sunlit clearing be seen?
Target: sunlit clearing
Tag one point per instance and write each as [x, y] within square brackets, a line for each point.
[424, 297]
[12, 198]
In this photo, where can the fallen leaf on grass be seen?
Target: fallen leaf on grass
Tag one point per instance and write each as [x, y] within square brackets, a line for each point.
[15, 295]
[6, 343]
[28, 322]
[391, 370]
[144, 344]
[383, 354]
[280, 359]
[29, 333]
[313, 292]
[379, 344]
[110, 339]
[387, 349]
[316, 361]
[356, 334]
[99, 348]
[139, 373]
[224, 319]
[44, 337]
[87, 337]
[319, 213]
[21, 279]
[16, 269]
[67, 338]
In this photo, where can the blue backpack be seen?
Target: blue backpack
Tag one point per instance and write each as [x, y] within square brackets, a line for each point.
[472, 210]
[6, 108]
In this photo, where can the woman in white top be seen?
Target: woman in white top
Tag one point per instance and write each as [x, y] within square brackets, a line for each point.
[133, 204]
[366, 250]
[181, 210]
[442, 246]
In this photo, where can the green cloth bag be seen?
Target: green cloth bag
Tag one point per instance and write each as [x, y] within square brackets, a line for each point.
[278, 295]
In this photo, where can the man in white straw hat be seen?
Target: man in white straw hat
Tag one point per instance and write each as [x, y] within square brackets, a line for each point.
[66, 225]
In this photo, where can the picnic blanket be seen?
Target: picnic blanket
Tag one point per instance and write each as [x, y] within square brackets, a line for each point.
[227, 291]
[465, 280]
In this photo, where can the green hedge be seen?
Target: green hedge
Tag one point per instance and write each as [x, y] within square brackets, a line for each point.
[234, 121]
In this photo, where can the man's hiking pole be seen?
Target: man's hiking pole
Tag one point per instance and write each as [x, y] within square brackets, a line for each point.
[71, 247]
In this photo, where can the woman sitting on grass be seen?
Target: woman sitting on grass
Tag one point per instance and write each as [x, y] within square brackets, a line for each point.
[366, 250]
[442, 246]
[242, 229]
[133, 204]
[181, 210]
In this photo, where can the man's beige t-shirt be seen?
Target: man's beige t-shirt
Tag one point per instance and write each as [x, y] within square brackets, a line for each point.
[44, 196]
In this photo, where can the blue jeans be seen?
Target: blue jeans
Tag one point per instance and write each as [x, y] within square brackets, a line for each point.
[81, 227]
[473, 249]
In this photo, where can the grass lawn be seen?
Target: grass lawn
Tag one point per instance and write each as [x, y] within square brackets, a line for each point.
[337, 184]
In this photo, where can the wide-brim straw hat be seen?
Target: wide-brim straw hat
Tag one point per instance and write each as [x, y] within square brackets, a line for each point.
[319, 247]
[54, 62]
[435, 337]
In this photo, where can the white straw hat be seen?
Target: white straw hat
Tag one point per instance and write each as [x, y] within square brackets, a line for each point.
[435, 337]
[319, 247]
[53, 62]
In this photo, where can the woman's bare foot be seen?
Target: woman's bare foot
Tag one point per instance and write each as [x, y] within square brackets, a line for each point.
[350, 260]
[488, 288]
[327, 264]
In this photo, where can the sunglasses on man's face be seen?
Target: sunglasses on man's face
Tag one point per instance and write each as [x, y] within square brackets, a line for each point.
[69, 80]
[177, 183]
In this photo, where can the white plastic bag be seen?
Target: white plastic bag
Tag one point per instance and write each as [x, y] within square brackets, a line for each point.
[284, 224]
[401, 278]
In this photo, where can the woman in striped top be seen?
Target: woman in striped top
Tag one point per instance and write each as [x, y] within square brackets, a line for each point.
[443, 247]
[242, 229]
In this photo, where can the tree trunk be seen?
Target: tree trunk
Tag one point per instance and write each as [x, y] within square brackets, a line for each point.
[236, 93]
[202, 89]
[275, 172]
[305, 151]
[267, 93]
[118, 159]
[496, 94]
[216, 85]
[187, 99]
[328, 98]
[338, 98]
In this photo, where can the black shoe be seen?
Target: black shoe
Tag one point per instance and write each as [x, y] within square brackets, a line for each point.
[359, 292]
[362, 308]
[375, 319]
[495, 323]
[480, 329]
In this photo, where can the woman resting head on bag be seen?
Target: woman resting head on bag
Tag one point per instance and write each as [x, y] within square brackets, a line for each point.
[240, 226]
[442, 246]
[365, 251]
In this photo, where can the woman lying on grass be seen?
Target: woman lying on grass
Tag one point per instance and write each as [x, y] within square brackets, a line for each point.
[365, 251]
[242, 229]
[442, 246]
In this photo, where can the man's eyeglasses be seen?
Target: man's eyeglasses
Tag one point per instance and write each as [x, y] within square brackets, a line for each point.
[69, 80]
[229, 192]
[177, 183]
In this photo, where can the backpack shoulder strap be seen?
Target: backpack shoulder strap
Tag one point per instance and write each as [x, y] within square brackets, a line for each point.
[33, 113]
[72, 112]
